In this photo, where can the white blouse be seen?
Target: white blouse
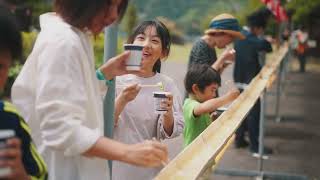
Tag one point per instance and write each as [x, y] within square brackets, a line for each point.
[58, 94]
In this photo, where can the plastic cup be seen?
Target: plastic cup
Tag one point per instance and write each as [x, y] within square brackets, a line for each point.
[4, 135]
[134, 60]
[159, 97]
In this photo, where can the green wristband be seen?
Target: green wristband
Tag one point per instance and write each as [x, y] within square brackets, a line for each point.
[102, 77]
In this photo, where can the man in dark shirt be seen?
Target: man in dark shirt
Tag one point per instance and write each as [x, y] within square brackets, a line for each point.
[247, 66]
[19, 153]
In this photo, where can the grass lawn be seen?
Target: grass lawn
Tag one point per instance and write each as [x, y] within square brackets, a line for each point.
[179, 53]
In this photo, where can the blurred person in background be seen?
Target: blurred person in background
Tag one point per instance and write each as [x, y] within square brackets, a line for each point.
[247, 66]
[299, 43]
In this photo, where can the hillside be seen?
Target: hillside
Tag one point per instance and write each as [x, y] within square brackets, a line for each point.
[190, 15]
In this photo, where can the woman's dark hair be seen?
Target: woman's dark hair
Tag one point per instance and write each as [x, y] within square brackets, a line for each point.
[79, 13]
[202, 75]
[163, 34]
[10, 37]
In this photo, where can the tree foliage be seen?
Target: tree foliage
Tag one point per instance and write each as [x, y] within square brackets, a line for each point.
[302, 9]
[192, 16]
[130, 19]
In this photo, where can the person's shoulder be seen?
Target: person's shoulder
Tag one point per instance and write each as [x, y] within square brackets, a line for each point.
[188, 103]
[197, 43]
[167, 81]
[165, 77]
[8, 114]
[65, 35]
[6, 106]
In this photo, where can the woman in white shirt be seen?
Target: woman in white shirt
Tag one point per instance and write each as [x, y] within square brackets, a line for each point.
[135, 115]
[58, 94]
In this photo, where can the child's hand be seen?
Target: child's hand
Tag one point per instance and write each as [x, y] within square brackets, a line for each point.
[12, 157]
[167, 103]
[130, 92]
[233, 93]
[168, 116]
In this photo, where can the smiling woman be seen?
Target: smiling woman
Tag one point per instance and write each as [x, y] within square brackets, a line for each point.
[67, 123]
[134, 125]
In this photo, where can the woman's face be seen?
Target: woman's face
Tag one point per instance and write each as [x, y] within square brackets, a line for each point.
[105, 18]
[221, 41]
[152, 47]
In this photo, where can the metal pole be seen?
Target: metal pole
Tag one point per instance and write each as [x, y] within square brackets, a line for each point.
[261, 129]
[110, 50]
[278, 93]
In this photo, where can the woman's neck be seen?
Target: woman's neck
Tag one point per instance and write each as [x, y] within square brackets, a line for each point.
[146, 73]
[209, 40]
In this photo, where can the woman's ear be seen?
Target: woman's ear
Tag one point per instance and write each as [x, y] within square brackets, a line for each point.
[164, 54]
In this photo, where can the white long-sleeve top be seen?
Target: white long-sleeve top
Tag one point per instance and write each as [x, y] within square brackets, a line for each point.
[59, 96]
[138, 122]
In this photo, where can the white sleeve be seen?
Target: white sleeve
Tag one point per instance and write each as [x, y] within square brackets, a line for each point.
[61, 100]
[178, 122]
[103, 88]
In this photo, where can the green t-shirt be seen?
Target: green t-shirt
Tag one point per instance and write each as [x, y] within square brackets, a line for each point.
[193, 126]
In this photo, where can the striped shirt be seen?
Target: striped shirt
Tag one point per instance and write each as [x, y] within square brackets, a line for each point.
[32, 161]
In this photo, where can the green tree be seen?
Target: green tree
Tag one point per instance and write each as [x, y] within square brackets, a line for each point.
[38, 7]
[302, 10]
[176, 34]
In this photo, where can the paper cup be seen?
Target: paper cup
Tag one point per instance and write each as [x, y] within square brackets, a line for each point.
[4, 135]
[134, 60]
[159, 97]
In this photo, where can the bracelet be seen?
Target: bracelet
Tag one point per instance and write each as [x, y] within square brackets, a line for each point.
[102, 77]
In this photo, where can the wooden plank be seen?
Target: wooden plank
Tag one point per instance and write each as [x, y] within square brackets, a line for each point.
[194, 160]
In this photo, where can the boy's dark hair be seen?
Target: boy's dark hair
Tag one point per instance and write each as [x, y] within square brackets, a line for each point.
[202, 75]
[162, 32]
[10, 37]
[79, 13]
[259, 18]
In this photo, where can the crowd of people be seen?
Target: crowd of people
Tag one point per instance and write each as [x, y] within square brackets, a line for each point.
[59, 99]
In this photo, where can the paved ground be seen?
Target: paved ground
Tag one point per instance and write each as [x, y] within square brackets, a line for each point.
[295, 139]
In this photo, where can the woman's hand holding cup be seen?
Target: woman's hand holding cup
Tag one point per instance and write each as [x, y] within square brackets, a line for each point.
[228, 55]
[115, 66]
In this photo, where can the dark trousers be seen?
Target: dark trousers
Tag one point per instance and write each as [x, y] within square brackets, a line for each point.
[302, 61]
[250, 124]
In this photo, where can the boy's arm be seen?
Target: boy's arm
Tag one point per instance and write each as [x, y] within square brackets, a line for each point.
[213, 104]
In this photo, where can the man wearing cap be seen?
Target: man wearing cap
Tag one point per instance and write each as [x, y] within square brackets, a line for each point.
[247, 66]
[223, 30]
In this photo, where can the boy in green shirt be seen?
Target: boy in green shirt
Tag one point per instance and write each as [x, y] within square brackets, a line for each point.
[201, 83]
